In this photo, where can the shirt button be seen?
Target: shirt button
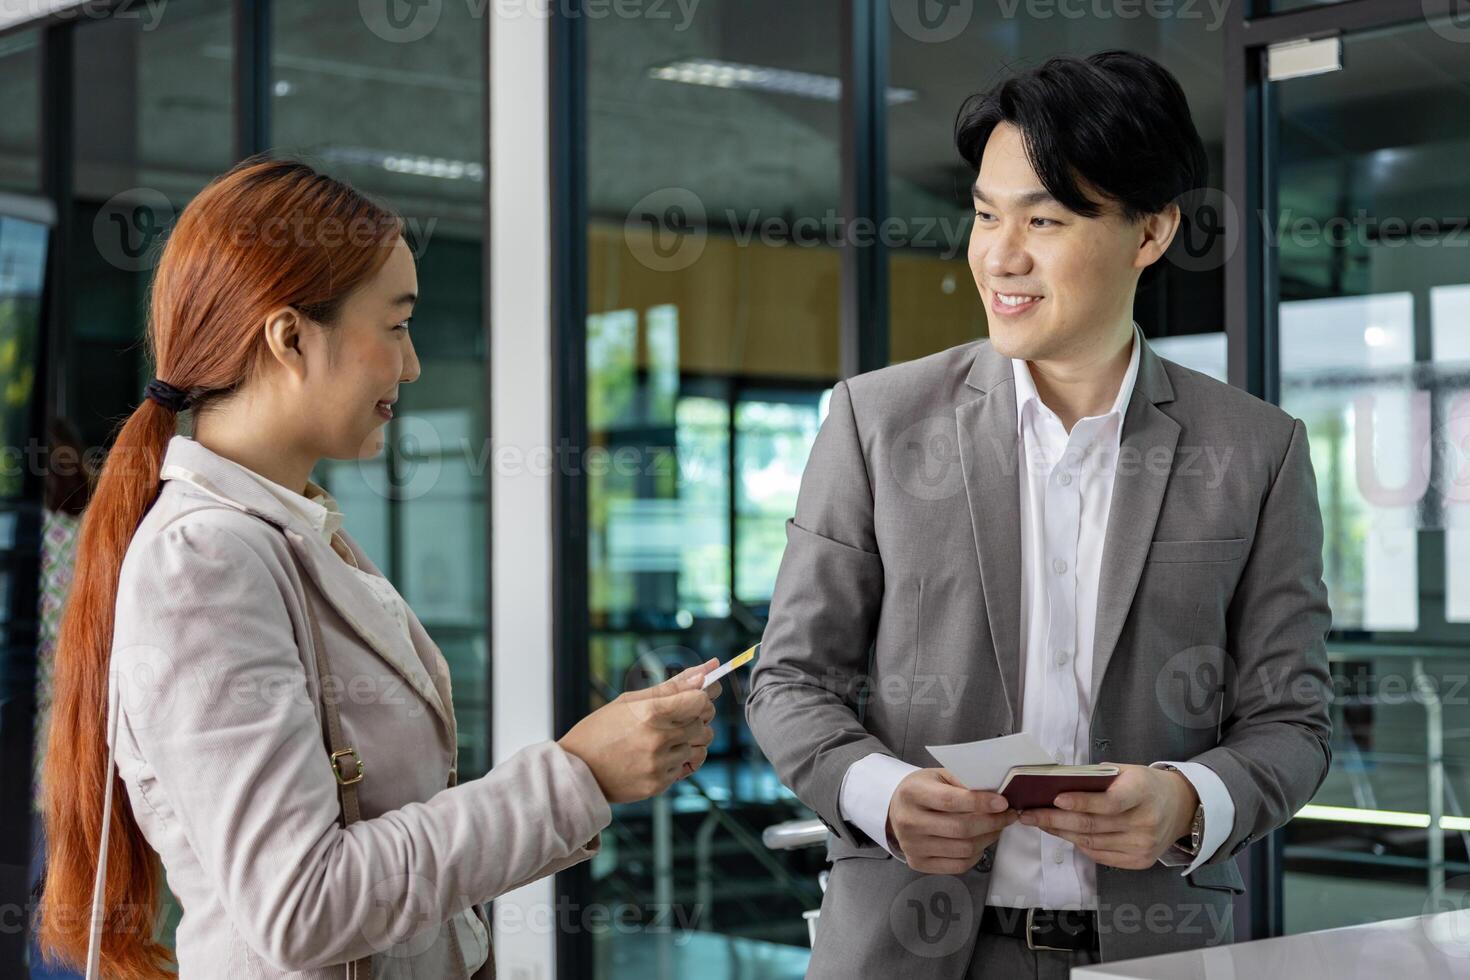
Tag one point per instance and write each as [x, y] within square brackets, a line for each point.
[1062, 657]
[1058, 857]
[1059, 566]
[1065, 479]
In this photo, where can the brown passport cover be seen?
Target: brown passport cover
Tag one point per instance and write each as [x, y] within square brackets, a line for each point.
[1026, 792]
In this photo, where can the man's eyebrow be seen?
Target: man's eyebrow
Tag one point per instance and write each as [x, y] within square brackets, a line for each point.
[1021, 200]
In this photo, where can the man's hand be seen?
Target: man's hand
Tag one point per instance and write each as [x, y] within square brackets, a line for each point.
[942, 827]
[1142, 813]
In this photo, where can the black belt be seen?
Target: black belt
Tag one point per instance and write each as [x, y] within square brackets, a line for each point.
[1063, 929]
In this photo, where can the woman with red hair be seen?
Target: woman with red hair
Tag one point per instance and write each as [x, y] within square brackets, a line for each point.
[282, 726]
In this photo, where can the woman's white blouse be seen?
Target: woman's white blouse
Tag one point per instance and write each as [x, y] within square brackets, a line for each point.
[321, 512]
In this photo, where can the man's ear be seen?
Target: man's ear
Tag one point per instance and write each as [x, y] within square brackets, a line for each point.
[283, 339]
[1156, 232]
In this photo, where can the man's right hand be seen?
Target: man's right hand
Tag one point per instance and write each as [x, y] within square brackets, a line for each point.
[942, 827]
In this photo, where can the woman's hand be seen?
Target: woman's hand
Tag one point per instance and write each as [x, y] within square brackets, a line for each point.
[640, 744]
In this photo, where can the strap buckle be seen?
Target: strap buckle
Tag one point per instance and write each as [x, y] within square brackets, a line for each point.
[1030, 933]
[343, 779]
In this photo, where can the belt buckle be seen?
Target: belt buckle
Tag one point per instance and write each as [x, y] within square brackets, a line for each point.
[1031, 944]
[350, 754]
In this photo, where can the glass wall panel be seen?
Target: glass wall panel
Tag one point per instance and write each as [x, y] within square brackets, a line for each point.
[395, 106]
[20, 123]
[941, 53]
[1373, 283]
[713, 182]
[153, 124]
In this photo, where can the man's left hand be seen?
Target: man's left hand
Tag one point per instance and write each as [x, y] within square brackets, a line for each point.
[1140, 815]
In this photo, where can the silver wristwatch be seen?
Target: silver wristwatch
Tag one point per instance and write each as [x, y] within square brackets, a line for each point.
[1196, 826]
[1196, 831]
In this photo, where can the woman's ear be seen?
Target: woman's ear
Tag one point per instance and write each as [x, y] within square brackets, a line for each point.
[283, 335]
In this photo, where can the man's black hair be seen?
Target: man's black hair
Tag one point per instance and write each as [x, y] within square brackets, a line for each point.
[1117, 119]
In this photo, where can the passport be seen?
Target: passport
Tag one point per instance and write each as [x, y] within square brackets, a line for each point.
[1028, 787]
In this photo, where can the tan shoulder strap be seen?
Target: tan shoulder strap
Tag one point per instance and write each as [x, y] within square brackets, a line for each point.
[347, 765]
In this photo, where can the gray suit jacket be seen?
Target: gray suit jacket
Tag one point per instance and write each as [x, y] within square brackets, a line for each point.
[896, 624]
[221, 751]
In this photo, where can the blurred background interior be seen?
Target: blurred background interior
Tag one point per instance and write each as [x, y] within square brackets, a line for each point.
[1346, 299]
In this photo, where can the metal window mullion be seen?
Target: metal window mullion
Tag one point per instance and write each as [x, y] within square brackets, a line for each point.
[863, 340]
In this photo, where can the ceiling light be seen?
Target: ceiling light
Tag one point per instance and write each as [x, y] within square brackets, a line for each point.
[728, 74]
[406, 163]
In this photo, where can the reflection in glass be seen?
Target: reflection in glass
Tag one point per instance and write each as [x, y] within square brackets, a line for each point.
[713, 172]
[349, 93]
[1373, 289]
[20, 123]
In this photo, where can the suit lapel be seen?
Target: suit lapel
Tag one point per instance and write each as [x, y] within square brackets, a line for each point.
[228, 482]
[1145, 460]
[436, 667]
[989, 458]
[376, 626]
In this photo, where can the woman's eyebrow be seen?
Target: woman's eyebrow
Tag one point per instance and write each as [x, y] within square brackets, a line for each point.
[407, 299]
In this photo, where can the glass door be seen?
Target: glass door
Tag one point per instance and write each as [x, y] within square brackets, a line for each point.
[1368, 252]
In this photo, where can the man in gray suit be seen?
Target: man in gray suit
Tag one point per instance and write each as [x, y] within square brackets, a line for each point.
[1054, 531]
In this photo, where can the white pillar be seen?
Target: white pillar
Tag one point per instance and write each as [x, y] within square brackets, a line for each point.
[521, 511]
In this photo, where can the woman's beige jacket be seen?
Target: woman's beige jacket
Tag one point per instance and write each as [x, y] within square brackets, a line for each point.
[220, 748]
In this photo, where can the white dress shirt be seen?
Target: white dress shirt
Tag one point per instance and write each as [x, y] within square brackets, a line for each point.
[319, 510]
[1066, 490]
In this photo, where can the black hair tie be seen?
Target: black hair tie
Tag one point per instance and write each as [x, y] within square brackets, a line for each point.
[167, 395]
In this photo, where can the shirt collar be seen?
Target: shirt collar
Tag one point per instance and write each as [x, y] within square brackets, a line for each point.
[317, 509]
[1026, 394]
